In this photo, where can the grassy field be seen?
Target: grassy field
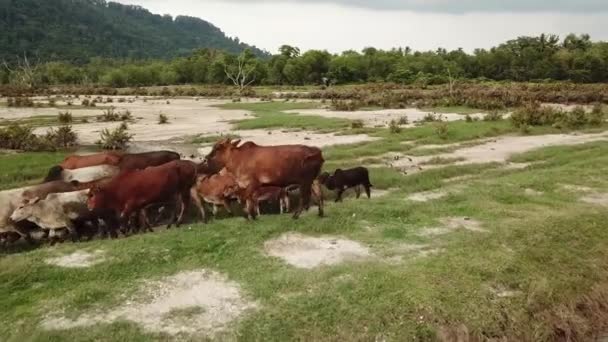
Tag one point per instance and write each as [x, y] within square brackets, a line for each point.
[535, 270]
[26, 168]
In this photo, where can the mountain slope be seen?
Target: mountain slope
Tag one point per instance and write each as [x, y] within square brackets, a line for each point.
[77, 30]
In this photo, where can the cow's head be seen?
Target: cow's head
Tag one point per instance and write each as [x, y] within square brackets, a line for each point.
[96, 197]
[25, 210]
[221, 153]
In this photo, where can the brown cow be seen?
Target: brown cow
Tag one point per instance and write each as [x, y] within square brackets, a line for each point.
[104, 158]
[255, 166]
[273, 194]
[216, 189]
[140, 161]
[132, 191]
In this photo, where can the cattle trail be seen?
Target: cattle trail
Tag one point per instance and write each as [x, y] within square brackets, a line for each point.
[309, 252]
[195, 302]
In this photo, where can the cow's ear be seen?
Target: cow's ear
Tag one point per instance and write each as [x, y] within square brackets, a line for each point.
[35, 200]
[236, 143]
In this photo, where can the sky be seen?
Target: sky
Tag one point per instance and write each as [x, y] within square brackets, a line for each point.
[339, 25]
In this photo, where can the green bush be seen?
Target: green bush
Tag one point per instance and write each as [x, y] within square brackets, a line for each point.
[117, 139]
[403, 120]
[65, 117]
[442, 130]
[355, 124]
[63, 136]
[575, 118]
[394, 127]
[162, 119]
[597, 116]
[493, 116]
[533, 114]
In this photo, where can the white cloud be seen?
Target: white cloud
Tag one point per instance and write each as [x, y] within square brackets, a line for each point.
[269, 24]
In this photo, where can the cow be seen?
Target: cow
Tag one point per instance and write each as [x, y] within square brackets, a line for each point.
[57, 211]
[345, 179]
[86, 174]
[272, 194]
[42, 190]
[255, 166]
[104, 158]
[140, 161]
[316, 194]
[217, 189]
[133, 190]
[9, 201]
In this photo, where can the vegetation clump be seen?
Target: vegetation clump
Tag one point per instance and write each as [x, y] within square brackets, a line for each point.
[116, 139]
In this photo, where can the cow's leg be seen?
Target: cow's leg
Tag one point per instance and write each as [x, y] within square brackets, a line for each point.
[216, 209]
[368, 191]
[305, 192]
[257, 208]
[226, 203]
[358, 191]
[199, 203]
[339, 193]
[318, 194]
[250, 201]
[185, 202]
[73, 231]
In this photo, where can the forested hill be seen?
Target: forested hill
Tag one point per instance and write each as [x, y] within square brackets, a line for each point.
[76, 30]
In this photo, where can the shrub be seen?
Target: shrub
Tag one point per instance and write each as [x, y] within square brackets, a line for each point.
[162, 119]
[109, 115]
[493, 116]
[394, 127]
[533, 114]
[597, 116]
[442, 130]
[20, 102]
[126, 116]
[117, 139]
[109, 100]
[52, 101]
[121, 100]
[65, 117]
[356, 124]
[403, 120]
[21, 137]
[432, 117]
[468, 118]
[86, 102]
[63, 136]
[575, 118]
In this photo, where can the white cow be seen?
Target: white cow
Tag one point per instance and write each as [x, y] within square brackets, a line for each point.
[83, 175]
[57, 211]
[9, 201]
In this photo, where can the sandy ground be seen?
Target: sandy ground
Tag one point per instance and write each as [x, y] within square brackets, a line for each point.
[500, 149]
[78, 259]
[309, 252]
[382, 117]
[195, 302]
[186, 117]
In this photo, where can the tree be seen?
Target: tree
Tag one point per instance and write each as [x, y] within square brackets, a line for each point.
[241, 71]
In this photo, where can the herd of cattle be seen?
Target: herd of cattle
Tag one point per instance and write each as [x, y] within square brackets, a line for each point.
[112, 192]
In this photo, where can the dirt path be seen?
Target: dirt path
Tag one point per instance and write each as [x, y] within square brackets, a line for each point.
[501, 149]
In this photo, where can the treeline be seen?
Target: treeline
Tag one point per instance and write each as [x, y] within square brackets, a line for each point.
[544, 58]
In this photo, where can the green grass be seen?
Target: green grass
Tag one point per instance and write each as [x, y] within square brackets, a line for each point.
[23, 169]
[548, 249]
[273, 115]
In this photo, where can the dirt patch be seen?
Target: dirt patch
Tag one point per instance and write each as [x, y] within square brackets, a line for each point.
[427, 196]
[596, 198]
[196, 302]
[382, 117]
[577, 188]
[451, 224]
[501, 149]
[309, 252]
[532, 192]
[78, 259]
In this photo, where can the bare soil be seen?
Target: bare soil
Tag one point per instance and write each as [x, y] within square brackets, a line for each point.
[192, 303]
[78, 259]
[309, 252]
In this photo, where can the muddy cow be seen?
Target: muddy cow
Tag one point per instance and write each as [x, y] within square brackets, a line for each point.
[255, 166]
[140, 161]
[104, 158]
[133, 190]
[217, 189]
[86, 174]
[345, 179]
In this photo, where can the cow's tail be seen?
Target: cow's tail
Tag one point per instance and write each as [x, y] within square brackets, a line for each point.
[369, 184]
[54, 174]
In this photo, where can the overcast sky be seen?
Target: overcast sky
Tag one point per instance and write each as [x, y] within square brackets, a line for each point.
[338, 25]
